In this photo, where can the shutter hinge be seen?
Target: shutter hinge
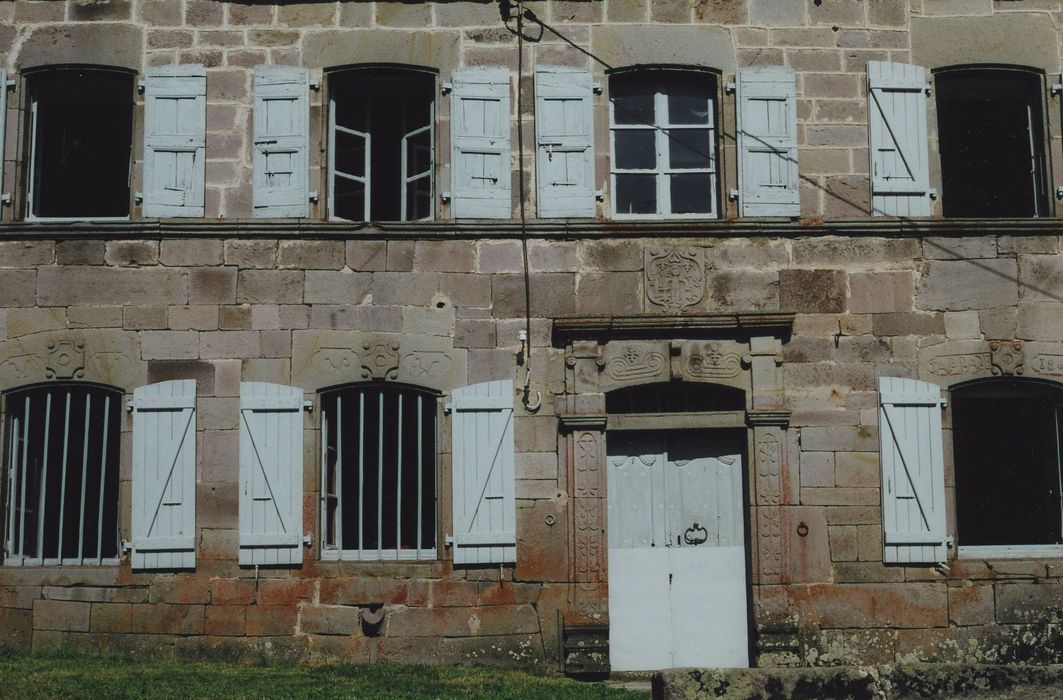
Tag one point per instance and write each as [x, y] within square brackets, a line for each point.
[127, 546]
[733, 195]
[10, 85]
[308, 540]
[927, 88]
[1057, 88]
[448, 408]
[5, 198]
[1059, 192]
[315, 85]
[730, 88]
[445, 196]
[596, 87]
[448, 541]
[308, 406]
[313, 196]
[138, 198]
[599, 196]
[932, 193]
[140, 87]
[446, 88]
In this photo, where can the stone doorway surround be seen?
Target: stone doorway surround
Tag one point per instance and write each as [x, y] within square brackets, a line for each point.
[740, 350]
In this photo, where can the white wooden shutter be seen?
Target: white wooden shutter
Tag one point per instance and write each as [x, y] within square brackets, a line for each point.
[175, 139]
[480, 152]
[913, 472]
[896, 113]
[271, 474]
[281, 135]
[164, 475]
[767, 142]
[564, 138]
[483, 475]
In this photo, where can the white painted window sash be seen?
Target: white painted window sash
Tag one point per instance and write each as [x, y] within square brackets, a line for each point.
[410, 180]
[366, 180]
[663, 170]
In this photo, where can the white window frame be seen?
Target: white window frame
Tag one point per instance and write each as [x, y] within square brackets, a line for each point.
[13, 555]
[32, 169]
[661, 126]
[425, 551]
[367, 179]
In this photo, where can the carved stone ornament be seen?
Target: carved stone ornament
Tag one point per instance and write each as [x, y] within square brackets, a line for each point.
[1007, 357]
[958, 364]
[66, 359]
[380, 359]
[675, 278]
[1047, 364]
[710, 361]
[634, 363]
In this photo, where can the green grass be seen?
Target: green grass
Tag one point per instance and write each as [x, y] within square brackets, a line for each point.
[100, 677]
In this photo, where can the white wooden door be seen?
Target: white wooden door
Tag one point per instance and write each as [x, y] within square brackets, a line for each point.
[677, 563]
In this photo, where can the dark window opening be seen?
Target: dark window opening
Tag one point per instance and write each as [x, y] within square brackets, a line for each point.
[674, 398]
[381, 144]
[380, 469]
[663, 125]
[81, 131]
[991, 137]
[61, 462]
[1006, 437]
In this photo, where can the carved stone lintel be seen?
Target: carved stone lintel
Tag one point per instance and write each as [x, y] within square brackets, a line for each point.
[1006, 357]
[66, 359]
[710, 360]
[636, 363]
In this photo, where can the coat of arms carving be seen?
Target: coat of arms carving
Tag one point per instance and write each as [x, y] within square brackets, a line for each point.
[675, 278]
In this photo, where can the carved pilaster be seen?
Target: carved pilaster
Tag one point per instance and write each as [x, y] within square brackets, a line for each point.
[584, 447]
[768, 456]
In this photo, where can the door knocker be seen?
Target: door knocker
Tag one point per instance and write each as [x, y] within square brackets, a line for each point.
[695, 534]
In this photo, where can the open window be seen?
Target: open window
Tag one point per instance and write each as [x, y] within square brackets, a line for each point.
[663, 127]
[992, 141]
[61, 466]
[378, 487]
[381, 144]
[80, 134]
[1006, 437]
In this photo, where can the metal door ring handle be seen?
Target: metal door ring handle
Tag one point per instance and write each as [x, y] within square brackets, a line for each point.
[695, 534]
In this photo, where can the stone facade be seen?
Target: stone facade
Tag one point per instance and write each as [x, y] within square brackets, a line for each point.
[802, 316]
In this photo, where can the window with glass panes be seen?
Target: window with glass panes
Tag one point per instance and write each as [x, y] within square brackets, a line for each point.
[663, 128]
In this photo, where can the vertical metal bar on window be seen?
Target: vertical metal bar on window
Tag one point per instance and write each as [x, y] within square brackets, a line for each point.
[398, 483]
[337, 521]
[62, 482]
[380, 474]
[1059, 468]
[103, 479]
[367, 211]
[1033, 162]
[12, 471]
[22, 489]
[332, 167]
[419, 477]
[44, 478]
[361, 470]
[325, 495]
[84, 478]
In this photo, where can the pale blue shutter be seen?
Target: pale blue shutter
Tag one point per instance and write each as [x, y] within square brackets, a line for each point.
[164, 475]
[480, 169]
[767, 142]
[281, 134]
[564, 137]
[483, 474]
[896, 114]
[913, 472]
[271, 474]
[175, 140]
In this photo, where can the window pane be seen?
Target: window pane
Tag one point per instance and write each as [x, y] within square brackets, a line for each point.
[690, 148]
[632, 97]
[636, 194]
[636, 149]
[688, 98]
[349, 199]
[691, 193]
[350, 154]
[419, 199]
[418, 153]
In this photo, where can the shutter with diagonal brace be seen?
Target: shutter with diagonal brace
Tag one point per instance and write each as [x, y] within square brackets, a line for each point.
[175, 140]
[913, 472]
[282, 115]
[564, 137]
[767, 142]
[896, 113]
[164, 475]
[483, 474]
[480, 158]
[271, 474]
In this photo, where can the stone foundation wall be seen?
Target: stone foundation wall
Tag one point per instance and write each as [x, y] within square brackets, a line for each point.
[227, 309]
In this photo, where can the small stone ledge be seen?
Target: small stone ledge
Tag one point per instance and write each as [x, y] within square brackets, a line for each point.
[899, 682]
[540, 229]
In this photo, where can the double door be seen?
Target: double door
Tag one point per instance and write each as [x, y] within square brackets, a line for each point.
[677, 558]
